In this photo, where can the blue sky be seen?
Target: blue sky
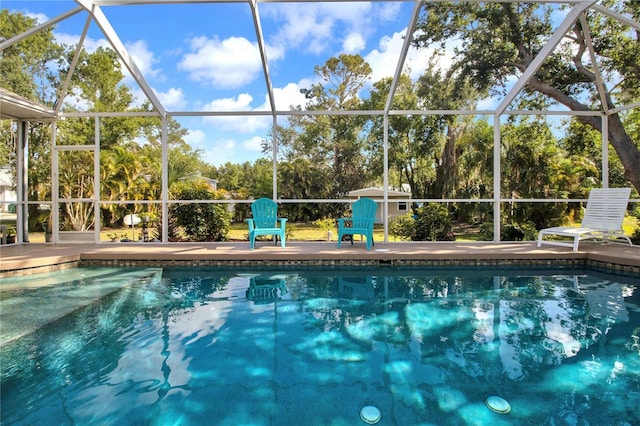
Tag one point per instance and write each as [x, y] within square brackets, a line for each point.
[204, 57]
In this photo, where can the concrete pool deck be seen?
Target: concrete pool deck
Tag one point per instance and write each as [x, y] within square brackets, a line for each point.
[20, 259]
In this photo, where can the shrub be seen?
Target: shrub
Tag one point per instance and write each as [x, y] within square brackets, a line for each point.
[200, 222]
[326, 224]
[635, 237]
[403, 227]
[511, 231]
[433, 224]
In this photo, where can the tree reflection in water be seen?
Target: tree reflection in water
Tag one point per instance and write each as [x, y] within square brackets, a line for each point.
[217, 346]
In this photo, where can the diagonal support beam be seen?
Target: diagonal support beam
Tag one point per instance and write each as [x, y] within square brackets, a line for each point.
[74, 62]
[39, 28]
[111, 35]
[600, 85]
[403, 54]
[537, 62]
[263, 55]
[617, 16]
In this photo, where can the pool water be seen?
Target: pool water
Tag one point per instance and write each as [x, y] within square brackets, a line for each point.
[315, 346]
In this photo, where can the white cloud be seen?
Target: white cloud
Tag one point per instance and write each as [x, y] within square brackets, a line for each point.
[229, 150]
[218, 156]
[384, 60]
[315, 27]
[241, 124]
[303, 25]
[387, 11]
[353, 43]
[288, 96]
[220, 152]
[195, 138]
[40, 18]
[241, 103]
[229, 63]
[253, 144]
[172, 99]
[143, 58]
[90, 44]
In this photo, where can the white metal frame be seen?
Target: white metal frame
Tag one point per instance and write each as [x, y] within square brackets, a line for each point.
[93, 8]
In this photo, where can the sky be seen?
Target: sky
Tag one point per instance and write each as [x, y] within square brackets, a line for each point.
[205, 57]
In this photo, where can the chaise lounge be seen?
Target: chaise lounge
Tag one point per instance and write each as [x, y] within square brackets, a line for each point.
[603, 218]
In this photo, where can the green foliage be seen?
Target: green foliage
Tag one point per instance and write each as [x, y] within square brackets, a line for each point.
[515, 33]
[511, 231]
[525, 231]
[433, 223]
[335, 140]
[326, 224]
[403, 227]
[27, 68]
[199, 221]
[635, 236]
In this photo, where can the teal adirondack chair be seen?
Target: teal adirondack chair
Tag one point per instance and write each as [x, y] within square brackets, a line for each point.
[361, 221]
[265, 221]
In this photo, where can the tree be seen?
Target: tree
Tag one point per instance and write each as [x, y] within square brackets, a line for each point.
[517, 32]
[335, 140]
[97, 82]
[26, 68]
[529, 154]
[301, 179]
[413, 140]
[121, 178]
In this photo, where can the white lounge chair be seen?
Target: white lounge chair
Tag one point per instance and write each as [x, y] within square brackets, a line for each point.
[603, 218]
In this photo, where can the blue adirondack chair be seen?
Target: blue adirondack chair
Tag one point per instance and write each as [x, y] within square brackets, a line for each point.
[265, 221]
[361, 221]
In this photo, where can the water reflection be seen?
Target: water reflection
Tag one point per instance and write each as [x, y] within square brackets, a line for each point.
[250, 346]
[266, 289]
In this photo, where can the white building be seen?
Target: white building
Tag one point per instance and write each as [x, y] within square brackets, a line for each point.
[8, 195]
[399, 201]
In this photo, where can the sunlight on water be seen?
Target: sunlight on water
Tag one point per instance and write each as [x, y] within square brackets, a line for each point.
[314, 346]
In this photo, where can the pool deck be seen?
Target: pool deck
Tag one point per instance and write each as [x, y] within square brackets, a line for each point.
[19, 259]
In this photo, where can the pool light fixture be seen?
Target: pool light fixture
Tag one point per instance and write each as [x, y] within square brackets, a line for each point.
[498, 404]
[370, 414]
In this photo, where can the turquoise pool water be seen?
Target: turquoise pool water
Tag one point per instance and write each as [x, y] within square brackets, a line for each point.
[314, 346]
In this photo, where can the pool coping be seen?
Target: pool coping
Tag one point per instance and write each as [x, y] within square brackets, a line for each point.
[36, 258]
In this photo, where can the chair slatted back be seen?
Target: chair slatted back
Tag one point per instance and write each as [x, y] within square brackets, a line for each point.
[364, 213]
[606, 208]
[265, 213]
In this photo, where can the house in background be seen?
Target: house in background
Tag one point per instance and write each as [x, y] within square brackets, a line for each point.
[399, 201]
[8, 195]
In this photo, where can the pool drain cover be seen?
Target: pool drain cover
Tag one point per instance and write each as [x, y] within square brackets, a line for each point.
[370, 414]
[498, 404]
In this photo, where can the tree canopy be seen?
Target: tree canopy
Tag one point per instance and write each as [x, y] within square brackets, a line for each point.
[517, 32]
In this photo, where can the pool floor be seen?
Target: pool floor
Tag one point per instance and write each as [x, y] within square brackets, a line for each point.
[313, 347]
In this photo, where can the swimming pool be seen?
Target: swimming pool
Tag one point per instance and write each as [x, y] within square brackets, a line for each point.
[312, 346]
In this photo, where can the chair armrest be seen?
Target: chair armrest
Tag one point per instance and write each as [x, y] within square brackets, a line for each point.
[283, 221]
[250, 223]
